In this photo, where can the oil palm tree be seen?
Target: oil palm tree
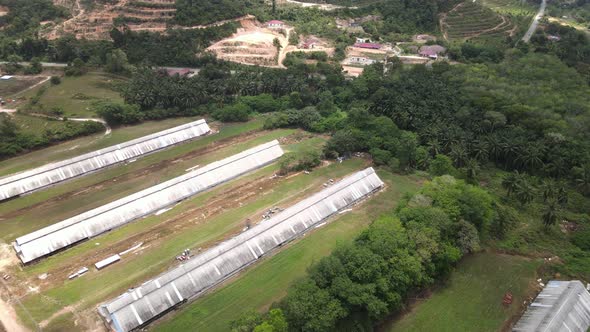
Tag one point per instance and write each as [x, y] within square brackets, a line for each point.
[551, 215]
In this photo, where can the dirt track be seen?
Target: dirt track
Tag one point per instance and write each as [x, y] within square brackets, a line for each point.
[8, 317]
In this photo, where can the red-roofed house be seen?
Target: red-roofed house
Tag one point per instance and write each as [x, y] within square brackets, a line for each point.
[310, 43]
[373, 46]
[275, 24]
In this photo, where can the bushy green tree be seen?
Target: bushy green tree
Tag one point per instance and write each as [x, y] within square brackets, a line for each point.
[441, 165]
[239, 112]
[118, 114]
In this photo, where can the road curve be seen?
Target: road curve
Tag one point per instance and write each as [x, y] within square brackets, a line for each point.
[527, 36]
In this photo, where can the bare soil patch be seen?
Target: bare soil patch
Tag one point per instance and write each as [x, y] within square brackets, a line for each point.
[252, 44]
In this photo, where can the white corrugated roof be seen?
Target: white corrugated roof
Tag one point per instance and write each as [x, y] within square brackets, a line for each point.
[115, 214]
[187, 281]
[561, 306]
[50, 174]
[107, 261]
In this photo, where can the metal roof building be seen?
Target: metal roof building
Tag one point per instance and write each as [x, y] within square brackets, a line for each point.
[50, 174]
[140, 305]
[561, 306]
[94, 222]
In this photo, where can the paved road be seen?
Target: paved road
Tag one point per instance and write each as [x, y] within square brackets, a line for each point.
[62, 65]
[44, 64]
[527, 36]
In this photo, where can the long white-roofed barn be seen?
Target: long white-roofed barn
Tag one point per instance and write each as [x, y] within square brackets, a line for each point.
[141, 305]
[561, 306]
[115, 214]
[51, 174]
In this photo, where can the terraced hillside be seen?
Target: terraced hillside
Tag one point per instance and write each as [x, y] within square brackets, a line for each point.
[96, 22]
[470, 20]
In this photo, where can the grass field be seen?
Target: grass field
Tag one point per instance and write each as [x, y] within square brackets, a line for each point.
[35, 125]
[267, 282]
[472, 300]
[8, 88]
[76, 95]
[86, 144]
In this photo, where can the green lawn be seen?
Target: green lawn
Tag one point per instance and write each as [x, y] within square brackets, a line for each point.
[76, 95]
[35, 125]
[268, 280]
[472, 300]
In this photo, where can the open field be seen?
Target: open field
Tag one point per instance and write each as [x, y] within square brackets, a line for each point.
[266, 282]
[75, 95]
[472, 300]
[35, 125]
[8, 88]
[470, 20]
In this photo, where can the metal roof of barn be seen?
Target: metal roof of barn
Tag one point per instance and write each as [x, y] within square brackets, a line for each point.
[153, 298]
[50, 174]
[561, 306]
[115, 214]
[374, 46]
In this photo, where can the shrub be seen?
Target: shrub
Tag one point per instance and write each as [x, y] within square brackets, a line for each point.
[117, 113]
[239, 112]
[294, 162]
[55, 80]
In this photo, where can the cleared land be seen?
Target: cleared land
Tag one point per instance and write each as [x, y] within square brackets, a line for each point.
[472, 300]
[9, 88]
[470, 20]
[76, 95]
[96, 22]
[266, 282]
[251, 45]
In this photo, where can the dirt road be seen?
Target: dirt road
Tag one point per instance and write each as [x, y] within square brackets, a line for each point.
[8, 317]
[527, 36]
[326, 7]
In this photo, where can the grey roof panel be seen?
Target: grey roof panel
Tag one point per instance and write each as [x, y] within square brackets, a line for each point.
[115, 214]
[561, 306]
[50, 174]
[187, 281]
